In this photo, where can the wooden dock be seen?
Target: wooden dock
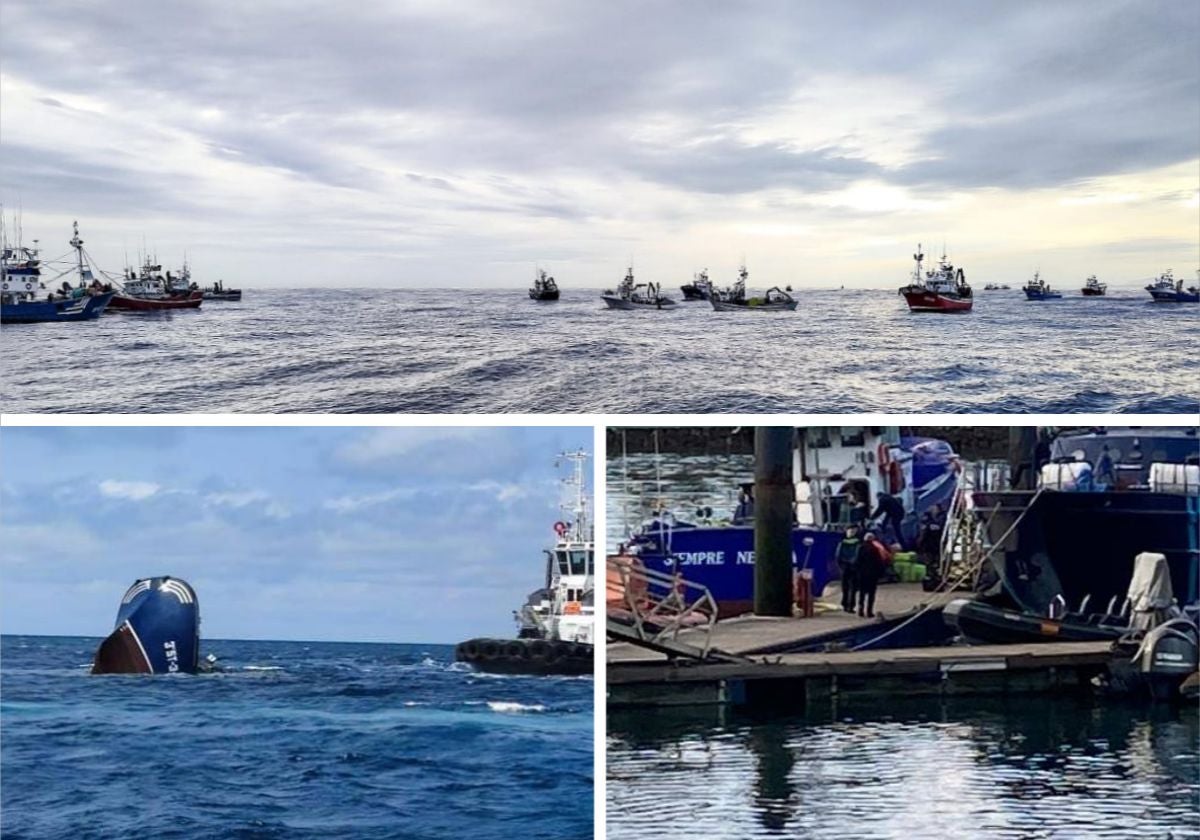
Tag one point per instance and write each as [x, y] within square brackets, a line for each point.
[793, 681]
[750, 635]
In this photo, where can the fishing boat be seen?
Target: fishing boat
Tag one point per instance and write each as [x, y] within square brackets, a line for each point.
[838, 472]
[544, 287]
[630, 295]
[1104, 497]
[150, 290]
[700, 288]
[996, 287]
[1166, 289]
[157, 630]
[942, 290]
[24, 298]
[556, 626]
[1094, 288]
[218, 291]
[734, 298]
[1039, 289]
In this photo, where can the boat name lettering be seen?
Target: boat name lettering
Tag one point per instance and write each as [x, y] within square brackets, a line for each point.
[701, 558]
[172, 656]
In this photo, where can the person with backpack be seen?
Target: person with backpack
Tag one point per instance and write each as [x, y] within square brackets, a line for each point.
[871, 560]
[847, 561]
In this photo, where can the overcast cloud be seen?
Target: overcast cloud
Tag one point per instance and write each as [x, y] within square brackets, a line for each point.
[459, 143]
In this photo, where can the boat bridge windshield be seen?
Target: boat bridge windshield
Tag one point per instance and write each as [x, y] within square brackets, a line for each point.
[573, 561]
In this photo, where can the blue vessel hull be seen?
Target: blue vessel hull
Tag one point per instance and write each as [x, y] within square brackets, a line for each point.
[157, 631]
[1081, 544]
[1042, 295]
[39, 311]
[1174, 296]
[722, 558]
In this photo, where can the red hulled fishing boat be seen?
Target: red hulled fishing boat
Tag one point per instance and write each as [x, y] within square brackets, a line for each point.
[943, 290]
[149, 290]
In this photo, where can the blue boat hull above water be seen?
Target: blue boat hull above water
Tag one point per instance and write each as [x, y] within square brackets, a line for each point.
[157, 631]
[40, 311]
[1042, 295]
[1083, 544]
[1172, 296]
[722, 558]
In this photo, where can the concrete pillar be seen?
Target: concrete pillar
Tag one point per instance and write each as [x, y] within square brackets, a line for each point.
[774, 493]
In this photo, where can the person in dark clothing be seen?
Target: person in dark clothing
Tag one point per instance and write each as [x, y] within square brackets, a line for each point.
[856, 506]
[869, 567]
[745, 507]
[891, 510]
[929, 544]
[847, 560]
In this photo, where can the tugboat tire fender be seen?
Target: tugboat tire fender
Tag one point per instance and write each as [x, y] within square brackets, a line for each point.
[489, 650]
[471, 649]
[539, 649]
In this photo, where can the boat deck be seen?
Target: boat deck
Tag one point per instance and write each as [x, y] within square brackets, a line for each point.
[749, 634]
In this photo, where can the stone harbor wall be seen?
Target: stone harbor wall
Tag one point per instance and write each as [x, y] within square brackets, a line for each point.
[972, 442]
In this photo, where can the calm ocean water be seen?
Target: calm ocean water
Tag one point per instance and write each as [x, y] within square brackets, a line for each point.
[986, 769]
[295, 740]
[442, 351]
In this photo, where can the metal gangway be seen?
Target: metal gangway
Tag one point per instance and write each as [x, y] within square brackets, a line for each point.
[964, 538]
[653, 610]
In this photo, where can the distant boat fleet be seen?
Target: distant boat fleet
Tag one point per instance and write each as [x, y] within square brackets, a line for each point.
[943, 289]
[26, 298]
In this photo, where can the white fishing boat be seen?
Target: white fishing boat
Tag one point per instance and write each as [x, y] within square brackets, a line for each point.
[631, 295]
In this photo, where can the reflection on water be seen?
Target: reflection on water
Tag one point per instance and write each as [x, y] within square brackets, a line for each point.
[641, 484]
[977, 768]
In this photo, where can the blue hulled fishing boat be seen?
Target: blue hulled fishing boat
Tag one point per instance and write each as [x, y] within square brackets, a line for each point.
[1039, 289]
[157, 630]
[839, 474]
[24, 298]
[1166, 289]
[1106, 496]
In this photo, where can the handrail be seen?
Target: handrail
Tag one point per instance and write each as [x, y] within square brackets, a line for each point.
[656, 607]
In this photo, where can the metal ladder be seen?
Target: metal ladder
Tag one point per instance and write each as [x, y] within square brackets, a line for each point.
[651, 610]
[964, 538]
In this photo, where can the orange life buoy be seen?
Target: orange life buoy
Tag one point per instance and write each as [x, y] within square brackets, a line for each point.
[895, 477]
[560, 528]
[883, 456]
[571, 608]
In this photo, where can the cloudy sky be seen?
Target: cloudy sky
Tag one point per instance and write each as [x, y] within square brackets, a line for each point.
[421, 143]
[408, 535]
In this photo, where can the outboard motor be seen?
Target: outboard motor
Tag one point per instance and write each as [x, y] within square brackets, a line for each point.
[157, 630]
[1169, 654]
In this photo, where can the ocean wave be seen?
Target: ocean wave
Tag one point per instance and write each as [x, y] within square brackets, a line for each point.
[508, 706]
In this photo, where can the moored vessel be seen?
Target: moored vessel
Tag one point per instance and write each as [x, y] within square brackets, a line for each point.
[544, 287]
[700, 288]
[1039, 289]
[943, 290]
[1094, 288]
[631, 295]
[556, 625]
[1166, 289]
[24, 298]
[734, 298]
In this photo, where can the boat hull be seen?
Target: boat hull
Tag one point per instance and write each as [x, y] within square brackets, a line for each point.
[614, 302]
[157, 631]
[33, 312]
[923, 300]
[136, 304]
[1081, 544]
[531, 657]
[1174, 296]
[535, 295]
[1034, 295]
[226, 296]
[1093, 292]
[722, 559]
[726, 306]
[692, 293]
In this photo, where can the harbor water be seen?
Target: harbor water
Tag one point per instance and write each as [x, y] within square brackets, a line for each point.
[293, 739]
[1022, 767]
[434, 351]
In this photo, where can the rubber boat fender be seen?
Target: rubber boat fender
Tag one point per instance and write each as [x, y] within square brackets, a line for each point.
[471, 649]
[489, 650]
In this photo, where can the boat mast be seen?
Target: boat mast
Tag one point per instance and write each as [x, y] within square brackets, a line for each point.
[77, 244]
[579, 522]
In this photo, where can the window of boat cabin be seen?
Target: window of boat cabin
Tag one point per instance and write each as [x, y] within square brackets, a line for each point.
[818, 437]
[573, 562]
[853, 436]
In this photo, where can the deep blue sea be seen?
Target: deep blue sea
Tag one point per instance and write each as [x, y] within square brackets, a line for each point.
[294, 740]
[439, 351]
[905, 768]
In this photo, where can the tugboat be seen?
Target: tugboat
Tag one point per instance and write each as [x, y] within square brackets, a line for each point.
[544, 287]
[149, 290]
[734, 298]
[21, 288]
[218, 291]
[157, 631]
[1039, 289]
[1166, 289]
[1094, 288]
[555, 627]
[944, 290]
[700, 288]
[639, 296]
